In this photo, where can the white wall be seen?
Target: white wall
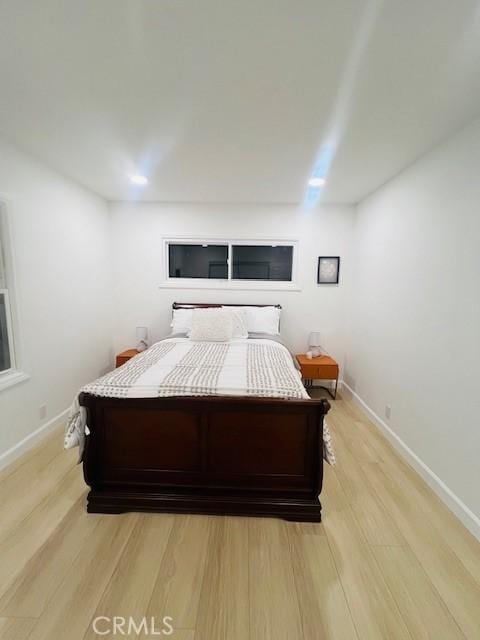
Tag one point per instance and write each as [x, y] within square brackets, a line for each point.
[61, 252]
[137, 231]
[415, 331]
[411, 291]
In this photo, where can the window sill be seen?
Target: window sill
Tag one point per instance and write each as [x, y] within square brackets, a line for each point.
[10, 378]
[247, 285]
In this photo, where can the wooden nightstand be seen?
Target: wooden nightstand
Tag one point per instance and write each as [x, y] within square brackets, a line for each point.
[319, 368]
[125, 356]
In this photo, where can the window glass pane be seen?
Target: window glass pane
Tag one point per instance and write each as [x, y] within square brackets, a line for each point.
[258, 262]
[5, 362]
[198, 261]
[3, 277]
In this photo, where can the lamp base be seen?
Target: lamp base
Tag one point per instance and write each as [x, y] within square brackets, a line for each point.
[142, 345]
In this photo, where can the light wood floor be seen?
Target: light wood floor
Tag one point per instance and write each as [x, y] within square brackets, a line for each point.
[389, 561]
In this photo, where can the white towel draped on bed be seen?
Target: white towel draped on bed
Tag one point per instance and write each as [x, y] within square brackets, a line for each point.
[180, 367]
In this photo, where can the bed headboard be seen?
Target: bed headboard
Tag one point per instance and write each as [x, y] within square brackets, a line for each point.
[207, 305]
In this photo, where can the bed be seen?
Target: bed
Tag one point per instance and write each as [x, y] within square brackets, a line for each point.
[224, 452]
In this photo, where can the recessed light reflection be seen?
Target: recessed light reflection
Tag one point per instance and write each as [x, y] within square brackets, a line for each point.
[317, 182]
[139, 180]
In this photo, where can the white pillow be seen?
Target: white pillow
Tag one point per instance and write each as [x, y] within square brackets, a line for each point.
[239, 319]
[181, 320]
[211, 325]
[263, 320]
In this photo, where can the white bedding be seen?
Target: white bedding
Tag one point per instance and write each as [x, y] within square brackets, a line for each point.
[179, 366]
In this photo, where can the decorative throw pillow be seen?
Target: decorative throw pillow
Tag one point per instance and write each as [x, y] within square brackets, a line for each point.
[239, 319]
[211, 325]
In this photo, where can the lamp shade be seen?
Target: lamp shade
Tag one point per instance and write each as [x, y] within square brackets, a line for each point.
[314, 339]
[142, 333]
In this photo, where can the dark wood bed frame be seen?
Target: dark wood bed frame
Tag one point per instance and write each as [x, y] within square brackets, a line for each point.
[213, 455]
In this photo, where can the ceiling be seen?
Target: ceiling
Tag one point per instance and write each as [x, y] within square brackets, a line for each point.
[236, 100]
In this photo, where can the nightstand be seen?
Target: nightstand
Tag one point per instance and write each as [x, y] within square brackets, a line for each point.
[319, 368]
[125, 356]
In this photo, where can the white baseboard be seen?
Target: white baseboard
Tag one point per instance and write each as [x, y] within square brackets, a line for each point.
[453, 502]
[31, 440]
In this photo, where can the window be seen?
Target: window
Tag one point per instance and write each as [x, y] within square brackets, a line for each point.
[198, 261]
[262, 262]
[230, 263]
[7, 361]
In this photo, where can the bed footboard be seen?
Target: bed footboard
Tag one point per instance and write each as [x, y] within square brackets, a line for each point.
[210, 455]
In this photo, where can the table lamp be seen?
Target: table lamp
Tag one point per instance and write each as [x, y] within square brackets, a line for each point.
[142, 337]
[314, 345]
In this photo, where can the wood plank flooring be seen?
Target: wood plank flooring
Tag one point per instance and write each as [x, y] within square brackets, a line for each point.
[389, 561]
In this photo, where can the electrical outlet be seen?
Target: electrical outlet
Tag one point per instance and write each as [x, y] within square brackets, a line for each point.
[42, 412]
[388, 411]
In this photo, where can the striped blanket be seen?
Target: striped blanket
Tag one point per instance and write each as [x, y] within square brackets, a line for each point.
[180, 367]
